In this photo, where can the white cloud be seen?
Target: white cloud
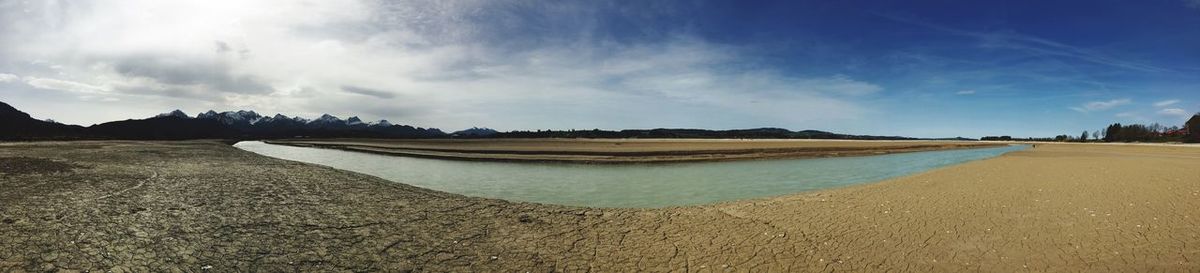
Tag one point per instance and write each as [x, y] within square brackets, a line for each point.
[417, 62]
[1101, 105]
[1166, 103]
[5, 77]
[965, 92]
[1174, 112]
[837, 84]
[64, 85]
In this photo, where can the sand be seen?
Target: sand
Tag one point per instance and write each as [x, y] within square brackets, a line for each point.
[627, 150]
[196, 206]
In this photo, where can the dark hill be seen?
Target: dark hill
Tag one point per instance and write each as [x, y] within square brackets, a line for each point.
[17, 125]
[163, 127]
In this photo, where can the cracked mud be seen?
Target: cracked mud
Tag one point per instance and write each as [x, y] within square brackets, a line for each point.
[205, 206]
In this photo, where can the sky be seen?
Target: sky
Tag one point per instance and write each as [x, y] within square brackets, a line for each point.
[912, 68]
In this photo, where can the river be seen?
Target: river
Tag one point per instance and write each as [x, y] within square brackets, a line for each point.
[629, 185]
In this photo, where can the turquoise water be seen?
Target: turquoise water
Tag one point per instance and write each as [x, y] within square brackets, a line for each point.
[636, 185]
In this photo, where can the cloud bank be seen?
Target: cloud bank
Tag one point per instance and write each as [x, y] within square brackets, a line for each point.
[449, 64]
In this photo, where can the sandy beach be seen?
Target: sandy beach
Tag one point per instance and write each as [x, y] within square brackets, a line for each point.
[627, 150]
[205, 206]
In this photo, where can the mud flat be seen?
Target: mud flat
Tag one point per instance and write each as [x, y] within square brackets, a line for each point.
[197, 206]
[626, 150]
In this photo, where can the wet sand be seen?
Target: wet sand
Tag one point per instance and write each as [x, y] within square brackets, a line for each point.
[627, 150]
[196, 206]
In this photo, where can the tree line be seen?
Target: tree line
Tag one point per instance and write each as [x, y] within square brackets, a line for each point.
[1190, 132]
[1117, 132]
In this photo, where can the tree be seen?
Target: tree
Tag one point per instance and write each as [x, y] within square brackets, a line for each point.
[1112, 133]
[1084, 136]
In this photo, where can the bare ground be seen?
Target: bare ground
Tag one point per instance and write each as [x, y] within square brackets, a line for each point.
[201, 206]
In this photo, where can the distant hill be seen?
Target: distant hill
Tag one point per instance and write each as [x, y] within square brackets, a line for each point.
[475, 132]
[17, 125]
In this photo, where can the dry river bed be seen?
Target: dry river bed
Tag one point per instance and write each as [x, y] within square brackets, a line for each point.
[205, 206]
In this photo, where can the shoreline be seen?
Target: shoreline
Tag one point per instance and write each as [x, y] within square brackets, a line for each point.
[673, 151]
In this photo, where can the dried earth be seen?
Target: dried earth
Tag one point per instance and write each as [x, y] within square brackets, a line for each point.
[205, 206]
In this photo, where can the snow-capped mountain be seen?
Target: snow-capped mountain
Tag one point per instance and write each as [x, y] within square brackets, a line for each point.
[327, 118]
[249, 124]
[280, 121]
[381, 123]
[239, 118]
[177, 113]
[325, 125]
[354, 121]
[246, 118]
[327, 121]
[279, 117]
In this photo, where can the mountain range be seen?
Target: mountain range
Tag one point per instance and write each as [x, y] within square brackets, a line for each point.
[177, 125]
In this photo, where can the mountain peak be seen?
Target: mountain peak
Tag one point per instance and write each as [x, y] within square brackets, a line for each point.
[177, 113]
[327, 118]
[209, 114]
[241, 115]
[248, 114]
[383, 123]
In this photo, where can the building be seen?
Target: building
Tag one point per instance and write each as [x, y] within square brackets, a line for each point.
[1193, 128]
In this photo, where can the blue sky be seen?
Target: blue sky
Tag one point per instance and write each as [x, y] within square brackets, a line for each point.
[925, 69]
